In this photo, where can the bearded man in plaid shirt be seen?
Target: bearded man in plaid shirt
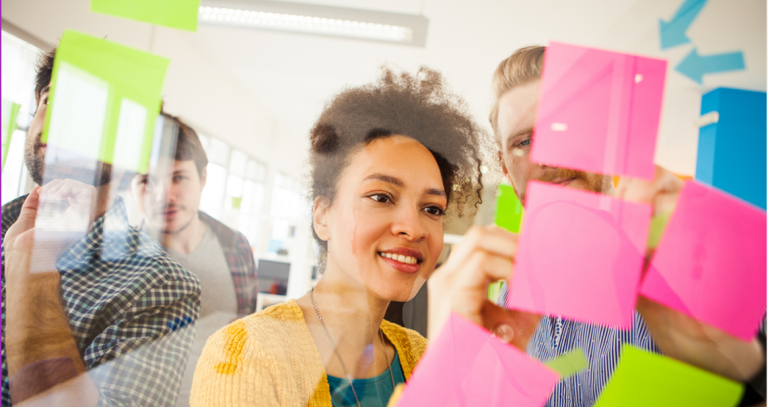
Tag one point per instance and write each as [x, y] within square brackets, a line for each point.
[105, 318]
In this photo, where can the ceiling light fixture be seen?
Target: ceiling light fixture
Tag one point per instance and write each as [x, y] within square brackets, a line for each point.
[321, 20]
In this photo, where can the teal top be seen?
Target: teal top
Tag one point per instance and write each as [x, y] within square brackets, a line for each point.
[373, 392]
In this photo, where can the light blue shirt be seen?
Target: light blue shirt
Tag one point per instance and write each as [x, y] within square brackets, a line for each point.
[555, 336]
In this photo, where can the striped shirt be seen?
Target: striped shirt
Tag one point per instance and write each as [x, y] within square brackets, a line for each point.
[555, 336]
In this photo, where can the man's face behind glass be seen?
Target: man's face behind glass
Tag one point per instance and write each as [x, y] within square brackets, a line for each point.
[516, 119]
[170, 201]
[62, 163]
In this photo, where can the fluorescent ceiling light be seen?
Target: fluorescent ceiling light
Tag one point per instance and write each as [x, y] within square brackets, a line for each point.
[320, 20]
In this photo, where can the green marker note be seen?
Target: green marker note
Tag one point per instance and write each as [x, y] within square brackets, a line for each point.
[647, 379]
[569, 363]
[181, 14]
[658, 224]
[509, 210]
[9, 115]
[104, 99]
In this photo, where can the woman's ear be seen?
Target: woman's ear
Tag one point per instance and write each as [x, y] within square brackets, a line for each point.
[321, 217]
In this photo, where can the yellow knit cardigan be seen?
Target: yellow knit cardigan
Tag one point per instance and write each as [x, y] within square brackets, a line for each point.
[270, 359]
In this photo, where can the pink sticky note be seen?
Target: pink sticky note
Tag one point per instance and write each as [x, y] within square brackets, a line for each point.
[598, 111]
[580, 255]
[710, 263]
[467, 366]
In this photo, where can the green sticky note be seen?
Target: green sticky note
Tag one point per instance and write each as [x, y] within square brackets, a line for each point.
[509, 210]
[103, 101]
[493, 290]
[658, 223]
[9, 115]
[181, 14]
[647, 379]
[569, 363]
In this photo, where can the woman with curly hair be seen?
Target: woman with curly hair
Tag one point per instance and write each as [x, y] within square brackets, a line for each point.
[387, 160]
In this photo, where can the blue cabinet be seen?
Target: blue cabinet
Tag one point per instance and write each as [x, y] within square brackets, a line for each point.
[732, 151]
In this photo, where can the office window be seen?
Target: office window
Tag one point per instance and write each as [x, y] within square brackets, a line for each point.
[18, 85]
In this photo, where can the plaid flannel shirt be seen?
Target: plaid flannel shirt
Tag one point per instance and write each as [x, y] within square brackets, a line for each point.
[239, 257]
[130, 306]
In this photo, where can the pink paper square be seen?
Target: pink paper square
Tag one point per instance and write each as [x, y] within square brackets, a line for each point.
[580, 255]
[711, 263]
[467, 366]
[598, 111]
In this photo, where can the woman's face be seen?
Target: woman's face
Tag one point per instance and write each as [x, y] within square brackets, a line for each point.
[385, 226]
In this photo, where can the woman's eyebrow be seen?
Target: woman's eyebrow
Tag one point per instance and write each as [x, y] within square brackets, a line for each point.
[436, 192]
[398, 182]
[386, 178]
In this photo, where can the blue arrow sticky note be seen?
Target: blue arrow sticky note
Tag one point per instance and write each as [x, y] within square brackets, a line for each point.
[695, 66]
[672, 32]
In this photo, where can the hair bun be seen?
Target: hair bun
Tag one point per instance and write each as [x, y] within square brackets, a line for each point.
[324, 139]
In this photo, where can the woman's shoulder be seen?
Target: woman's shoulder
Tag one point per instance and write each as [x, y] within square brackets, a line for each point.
[258, 357]
[270, 328]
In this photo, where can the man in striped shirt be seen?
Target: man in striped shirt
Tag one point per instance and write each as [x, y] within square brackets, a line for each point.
[516, 86]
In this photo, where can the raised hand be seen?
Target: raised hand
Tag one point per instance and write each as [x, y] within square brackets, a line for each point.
[461, 285]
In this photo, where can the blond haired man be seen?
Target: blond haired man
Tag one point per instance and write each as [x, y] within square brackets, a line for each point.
[516, 85]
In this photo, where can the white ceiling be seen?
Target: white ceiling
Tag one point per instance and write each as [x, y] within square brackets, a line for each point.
[262, 90]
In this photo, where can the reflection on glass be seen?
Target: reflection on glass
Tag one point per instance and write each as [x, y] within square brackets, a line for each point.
[170, 196]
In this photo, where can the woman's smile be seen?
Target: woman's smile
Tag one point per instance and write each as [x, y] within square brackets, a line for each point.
[403, 259]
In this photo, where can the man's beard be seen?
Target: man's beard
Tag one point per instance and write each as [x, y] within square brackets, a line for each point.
[70, 166]
[168, 231]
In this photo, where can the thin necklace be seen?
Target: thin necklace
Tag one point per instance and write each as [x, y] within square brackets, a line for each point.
[346, 373]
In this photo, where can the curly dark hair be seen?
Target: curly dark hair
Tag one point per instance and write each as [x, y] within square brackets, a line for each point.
[418, 106]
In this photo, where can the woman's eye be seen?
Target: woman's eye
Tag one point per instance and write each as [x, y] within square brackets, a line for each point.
[434, 210]
[380, 198]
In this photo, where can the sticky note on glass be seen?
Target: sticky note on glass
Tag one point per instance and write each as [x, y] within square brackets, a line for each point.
[468, 366]
[569, 364]
[509, 210]
[647, 379]
[711, 261]
[658, 224]
[580, 255]
[181, 14]
[598, 111]
[9, 115]
[104, 99]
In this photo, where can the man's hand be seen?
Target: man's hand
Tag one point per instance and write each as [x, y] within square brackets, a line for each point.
[461, 285]
[37, 328]
[661, 193]
[676, 334]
